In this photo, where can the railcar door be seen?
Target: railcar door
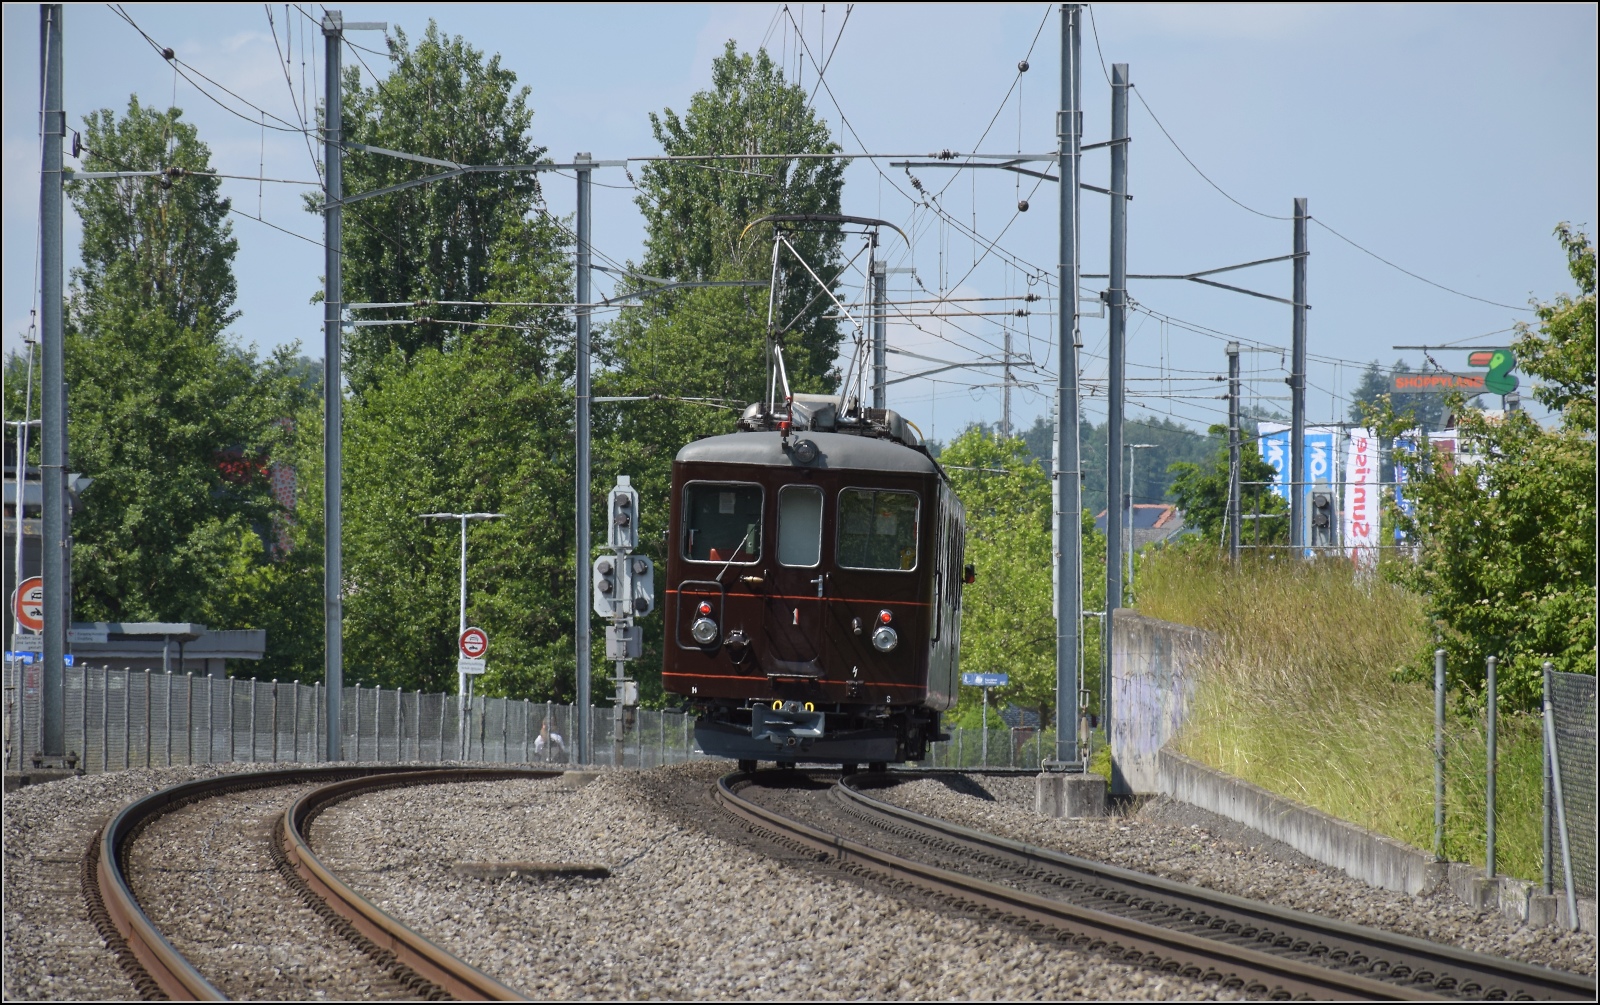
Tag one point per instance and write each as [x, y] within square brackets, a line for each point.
[882, 567]
[723, 550]
[796, 588]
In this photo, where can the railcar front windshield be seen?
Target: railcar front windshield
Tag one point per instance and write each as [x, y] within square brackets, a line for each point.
[722, 522]
[878, 529]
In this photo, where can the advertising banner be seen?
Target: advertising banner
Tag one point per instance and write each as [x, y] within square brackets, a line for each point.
[1273, 443]
[1361, 500]
[1404, 456]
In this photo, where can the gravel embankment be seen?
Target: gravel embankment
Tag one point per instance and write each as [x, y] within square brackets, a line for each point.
[1181, 842]
[205, 876]
[685, 913]
[52, 950]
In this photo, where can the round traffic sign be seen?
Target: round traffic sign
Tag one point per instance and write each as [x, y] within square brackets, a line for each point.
[474, 643]
[27, 604]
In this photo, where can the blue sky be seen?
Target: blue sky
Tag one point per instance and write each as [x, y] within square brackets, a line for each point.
[1447, 139]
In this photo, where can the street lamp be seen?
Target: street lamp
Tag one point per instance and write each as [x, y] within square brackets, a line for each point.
[1127, 580]
[463, 685]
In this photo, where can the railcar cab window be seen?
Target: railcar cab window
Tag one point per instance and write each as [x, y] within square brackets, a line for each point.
[800, 525]
[878, 529]
[722, 522]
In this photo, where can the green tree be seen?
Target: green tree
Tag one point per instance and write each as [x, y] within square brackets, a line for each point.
[435, 242]
[697, 213]
[1201, 492]
[1007, 616]
[176, 424]
[483, 427]
[1507, 527]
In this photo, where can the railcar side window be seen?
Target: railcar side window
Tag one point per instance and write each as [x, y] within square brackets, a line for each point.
[878, 529]
[800, 525]
[722, 522]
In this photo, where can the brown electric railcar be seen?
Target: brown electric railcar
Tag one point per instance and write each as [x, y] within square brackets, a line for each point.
[814, 577]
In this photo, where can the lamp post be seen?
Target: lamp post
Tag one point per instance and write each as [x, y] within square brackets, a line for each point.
[1127, 580]
[462, 683]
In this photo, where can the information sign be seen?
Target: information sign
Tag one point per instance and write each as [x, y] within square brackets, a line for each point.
[470, 666]
[985, 679]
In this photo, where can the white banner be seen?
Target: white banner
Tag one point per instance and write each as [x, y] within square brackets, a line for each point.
[1362, 508]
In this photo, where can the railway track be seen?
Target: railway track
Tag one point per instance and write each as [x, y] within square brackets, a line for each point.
[261, 873]
[1262, 949]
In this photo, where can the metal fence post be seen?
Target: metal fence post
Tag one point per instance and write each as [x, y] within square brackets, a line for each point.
[357, 730]
[252, 731]
[1438, 755]
[149, 732]
[105, 720]
[1547, 831]
[1489, 795]
[1561, 809]
[169, 718]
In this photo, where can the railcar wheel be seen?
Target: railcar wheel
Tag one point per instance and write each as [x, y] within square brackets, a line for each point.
[848, 769]
[878, 767]
[748, 767]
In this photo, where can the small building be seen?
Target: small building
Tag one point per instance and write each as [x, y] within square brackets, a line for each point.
[181, 647]
[1152, 522]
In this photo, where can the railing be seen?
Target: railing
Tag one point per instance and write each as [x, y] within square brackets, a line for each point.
[119, 719]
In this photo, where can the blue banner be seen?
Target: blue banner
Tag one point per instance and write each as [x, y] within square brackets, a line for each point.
[1272, 441]
[1404, 455]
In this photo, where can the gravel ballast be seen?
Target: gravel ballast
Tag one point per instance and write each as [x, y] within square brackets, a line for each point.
[685, 914]
[1182, 842]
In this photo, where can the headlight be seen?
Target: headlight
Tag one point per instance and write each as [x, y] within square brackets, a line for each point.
[885, 639]
[704, 631]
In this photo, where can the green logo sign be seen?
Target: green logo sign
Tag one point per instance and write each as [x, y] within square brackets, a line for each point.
[1500, 363]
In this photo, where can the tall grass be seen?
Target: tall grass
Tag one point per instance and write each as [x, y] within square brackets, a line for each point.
[1303, 693]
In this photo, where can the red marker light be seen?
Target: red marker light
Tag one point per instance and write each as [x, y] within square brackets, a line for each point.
[885, 617]
[705, 608]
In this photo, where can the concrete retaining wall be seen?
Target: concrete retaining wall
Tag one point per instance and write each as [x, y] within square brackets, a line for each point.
[1153, 665]
[1372, 858]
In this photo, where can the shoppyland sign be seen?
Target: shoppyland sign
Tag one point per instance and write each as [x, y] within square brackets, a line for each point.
[1361, 504]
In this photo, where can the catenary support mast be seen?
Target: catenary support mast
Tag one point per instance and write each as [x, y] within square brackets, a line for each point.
[1297, 387]
[1068, 479]
[53, 446]
[581, 627]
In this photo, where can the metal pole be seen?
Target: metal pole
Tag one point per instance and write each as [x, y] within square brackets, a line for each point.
[1067, 475]
[1297, 389]
[580, 608]
[1548, 831]
[1116, 301]
[880, 344]
[1489, 793]
[461, 626]
[986, 725]
[1561, 806]
[53, 448]
[1125, 505]
[333, 386]
[1438, 755]
[1233, 452]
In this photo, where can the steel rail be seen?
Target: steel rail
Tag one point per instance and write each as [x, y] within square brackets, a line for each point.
[1124, 938]
[1474, 974]
[154, 965]
[462, 980]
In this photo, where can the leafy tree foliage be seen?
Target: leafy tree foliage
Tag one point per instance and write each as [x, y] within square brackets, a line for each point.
[697, 213]
[434, 242]
[1151, 477]
[175, 423]
[1201, 492]
[483, 427]
[1007, 616]
[1507, 531]
[153, 244]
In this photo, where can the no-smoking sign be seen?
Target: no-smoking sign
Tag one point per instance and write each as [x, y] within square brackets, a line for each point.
[27, 606]
[474, 643]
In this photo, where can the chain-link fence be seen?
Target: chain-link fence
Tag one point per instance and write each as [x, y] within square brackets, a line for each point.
[118, 719]
[1572, 700]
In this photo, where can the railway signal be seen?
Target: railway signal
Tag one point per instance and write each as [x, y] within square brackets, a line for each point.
[624, 588]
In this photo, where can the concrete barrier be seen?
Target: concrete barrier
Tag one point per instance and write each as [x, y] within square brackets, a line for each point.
[1362, 854]
[1153, 667]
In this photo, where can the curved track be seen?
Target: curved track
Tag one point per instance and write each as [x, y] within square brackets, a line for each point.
[1263, 949]
[411, 962]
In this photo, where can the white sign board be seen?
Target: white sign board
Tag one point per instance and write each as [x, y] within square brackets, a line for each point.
[91, 635]
[470, 666]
